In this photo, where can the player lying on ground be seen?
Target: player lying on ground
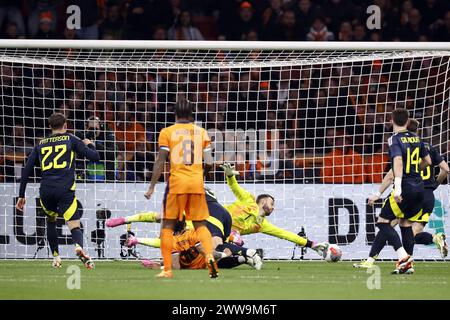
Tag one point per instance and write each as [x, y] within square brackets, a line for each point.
[218, 223]
[185, 145]
[408, 156]
[430, 184]
[56, 156]
[187, 252]
[249, 214]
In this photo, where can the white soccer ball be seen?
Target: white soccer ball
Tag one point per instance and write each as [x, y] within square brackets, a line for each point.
[333, 253]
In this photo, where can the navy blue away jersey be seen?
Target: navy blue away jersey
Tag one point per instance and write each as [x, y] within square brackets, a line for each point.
[411, 148]
[56, 157]
[428, 174]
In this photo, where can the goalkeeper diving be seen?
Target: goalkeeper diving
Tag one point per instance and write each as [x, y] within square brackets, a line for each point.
[188, 253]
[248, 214]
[225, 242]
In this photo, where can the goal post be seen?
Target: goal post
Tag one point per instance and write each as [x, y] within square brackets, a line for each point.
[306, 122]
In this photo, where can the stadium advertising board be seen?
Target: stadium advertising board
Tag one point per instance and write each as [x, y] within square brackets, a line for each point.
[335, 213]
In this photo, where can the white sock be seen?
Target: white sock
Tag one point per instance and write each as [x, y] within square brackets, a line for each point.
[401, 253]
[251, 253]
[370, 260]
[241, 259]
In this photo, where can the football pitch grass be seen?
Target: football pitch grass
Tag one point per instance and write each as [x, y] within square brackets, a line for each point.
[277, 280]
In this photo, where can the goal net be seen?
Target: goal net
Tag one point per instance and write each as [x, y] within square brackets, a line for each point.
[305, 122]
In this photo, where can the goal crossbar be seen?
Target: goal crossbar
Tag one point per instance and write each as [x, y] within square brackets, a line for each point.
[225, 45]
[207, 54]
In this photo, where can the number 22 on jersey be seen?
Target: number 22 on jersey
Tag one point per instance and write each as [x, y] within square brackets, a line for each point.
[53, 164]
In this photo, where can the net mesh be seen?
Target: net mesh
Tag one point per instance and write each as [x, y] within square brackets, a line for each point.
[309, 127]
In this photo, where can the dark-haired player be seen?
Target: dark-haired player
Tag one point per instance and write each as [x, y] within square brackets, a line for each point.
[249, 214]
[430, 184]
[56, 157]
[186, 145]
[408, 156]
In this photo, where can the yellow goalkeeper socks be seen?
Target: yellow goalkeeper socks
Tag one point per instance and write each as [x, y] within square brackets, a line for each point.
[150, 216]
[150, 242]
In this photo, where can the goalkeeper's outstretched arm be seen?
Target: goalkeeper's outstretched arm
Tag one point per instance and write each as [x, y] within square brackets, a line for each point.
[270, 229]
[240, 193]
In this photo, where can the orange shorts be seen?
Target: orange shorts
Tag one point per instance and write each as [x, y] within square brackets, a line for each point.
[193, 205]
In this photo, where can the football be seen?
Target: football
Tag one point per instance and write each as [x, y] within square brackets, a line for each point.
[333, 253]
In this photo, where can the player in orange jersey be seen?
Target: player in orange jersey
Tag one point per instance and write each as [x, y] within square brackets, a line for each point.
[187, 252]
[187, 145]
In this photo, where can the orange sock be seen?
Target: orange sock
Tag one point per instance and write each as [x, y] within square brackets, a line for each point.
[166, 248]
[205, 238]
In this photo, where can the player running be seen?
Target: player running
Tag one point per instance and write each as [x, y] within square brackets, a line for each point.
[56, 156]
[430, 184]
[187, 145]
[408, 157]
[249, 214]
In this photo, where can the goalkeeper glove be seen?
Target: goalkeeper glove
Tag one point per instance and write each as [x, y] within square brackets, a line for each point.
[319, 247]
[229, 170]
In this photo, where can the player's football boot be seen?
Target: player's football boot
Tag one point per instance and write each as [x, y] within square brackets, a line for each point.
[253, 259]
[212, 267]
[364, 265]
[404, 266]
[57, 263]
[131, 241]
[236, 238]
[441, 244]
[257, 262]
[165, 274]
[115, 222]
[84, 258]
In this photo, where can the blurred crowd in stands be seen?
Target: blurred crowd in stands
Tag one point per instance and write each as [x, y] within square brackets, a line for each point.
[332, 120]
[286, 20]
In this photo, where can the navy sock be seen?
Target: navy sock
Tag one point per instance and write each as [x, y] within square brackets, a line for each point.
[235, 249]
[392, 237]
[228, 262]
[77, 237]
[378, 244]
[424, 238]
[408, 239]
[52, 237]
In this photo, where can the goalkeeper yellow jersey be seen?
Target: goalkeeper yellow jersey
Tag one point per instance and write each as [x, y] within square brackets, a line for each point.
[246, 219]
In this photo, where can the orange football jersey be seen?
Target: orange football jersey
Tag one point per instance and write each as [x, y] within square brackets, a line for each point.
[184, 243]
[186, 143]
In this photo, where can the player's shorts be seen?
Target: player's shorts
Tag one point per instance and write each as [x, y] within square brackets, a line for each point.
[193, 205]
[219, 221]
[59, 202]
[427, 207]
[410, 208]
